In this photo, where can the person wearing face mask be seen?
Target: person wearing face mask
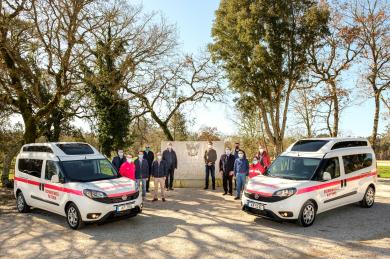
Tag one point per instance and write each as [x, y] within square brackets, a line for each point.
[226, 167]
[169, 156]
[149, 156]
[118, 160]
[159, 173]
[210, 156]
[141, 172]
[241, 170]
[255, 168]
[127, 169]
[263, 158]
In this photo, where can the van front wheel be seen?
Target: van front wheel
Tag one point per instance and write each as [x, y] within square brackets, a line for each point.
[21, 204]
[307, 214]
[369, 198]
[73, 217]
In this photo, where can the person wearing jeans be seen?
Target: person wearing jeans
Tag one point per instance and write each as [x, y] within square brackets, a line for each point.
[241, 170]
[141, 172]
[159, 173]
[210, 156]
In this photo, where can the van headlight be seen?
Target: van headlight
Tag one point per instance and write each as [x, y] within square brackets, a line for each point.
[285, 192]
[94, 194]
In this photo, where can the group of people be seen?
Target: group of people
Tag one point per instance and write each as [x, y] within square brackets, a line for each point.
[232, 165]
[161, 167]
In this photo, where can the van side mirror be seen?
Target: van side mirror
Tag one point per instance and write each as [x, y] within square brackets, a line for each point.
[326, 176]
[55, 179]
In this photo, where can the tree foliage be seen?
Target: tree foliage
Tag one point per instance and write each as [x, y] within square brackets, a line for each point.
[263, 47]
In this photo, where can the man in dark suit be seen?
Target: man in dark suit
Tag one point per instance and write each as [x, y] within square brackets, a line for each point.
[149, 156]
[226, 167]
[118, 160]
[141, 172]
[169, 155]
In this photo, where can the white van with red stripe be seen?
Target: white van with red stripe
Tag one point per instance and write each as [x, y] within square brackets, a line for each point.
[73, 180]
[313, 176]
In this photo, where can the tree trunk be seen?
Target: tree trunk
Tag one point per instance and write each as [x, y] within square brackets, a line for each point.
[8, 162]
[336, 110]
[376, 119]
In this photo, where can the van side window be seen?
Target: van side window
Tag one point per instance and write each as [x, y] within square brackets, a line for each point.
[52, 168]
[32, 167]
[356, 162]
[332, 166]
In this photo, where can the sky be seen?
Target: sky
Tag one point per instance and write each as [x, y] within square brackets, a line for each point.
[194, 21]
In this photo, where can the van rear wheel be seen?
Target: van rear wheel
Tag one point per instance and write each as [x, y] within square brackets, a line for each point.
[73, 217]
[369, 198]
[307, 215]
[21, 204]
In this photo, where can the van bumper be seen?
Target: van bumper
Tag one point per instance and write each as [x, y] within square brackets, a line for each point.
[106, 211]
[285, 210]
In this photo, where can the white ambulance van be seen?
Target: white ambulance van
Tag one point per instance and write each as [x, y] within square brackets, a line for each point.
[73, 180]
[313, 176]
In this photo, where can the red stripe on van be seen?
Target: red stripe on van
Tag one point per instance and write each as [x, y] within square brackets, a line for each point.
[266, 194]
[26, 181]
[120, 194]
[62, 189]
[49, 186]
[325, 185]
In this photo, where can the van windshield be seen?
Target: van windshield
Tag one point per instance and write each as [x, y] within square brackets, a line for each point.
[294, 168]
[88, 170]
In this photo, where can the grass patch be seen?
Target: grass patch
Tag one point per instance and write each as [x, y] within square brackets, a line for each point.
[384, 171]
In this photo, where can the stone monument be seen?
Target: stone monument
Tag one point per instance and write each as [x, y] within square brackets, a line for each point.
[190, 158]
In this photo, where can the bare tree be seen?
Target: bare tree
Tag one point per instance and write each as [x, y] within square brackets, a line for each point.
[372, 16]
[332, 56]
[161, 91]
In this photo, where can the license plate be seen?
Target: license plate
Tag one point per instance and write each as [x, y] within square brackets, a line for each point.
[255, 205]
[123, 207]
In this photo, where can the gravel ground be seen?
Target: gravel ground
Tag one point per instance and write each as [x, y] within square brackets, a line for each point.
[195, 223]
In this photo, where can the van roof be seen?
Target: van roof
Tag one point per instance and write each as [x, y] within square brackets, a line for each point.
[64, 150]
[321, 146]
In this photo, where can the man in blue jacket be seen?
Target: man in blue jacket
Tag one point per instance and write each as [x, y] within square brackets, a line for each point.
[241, 171]
[141, 171]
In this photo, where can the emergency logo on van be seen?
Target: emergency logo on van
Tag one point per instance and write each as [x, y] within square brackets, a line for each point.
[52, 194]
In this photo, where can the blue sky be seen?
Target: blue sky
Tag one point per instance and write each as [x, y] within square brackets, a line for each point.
[194, 20]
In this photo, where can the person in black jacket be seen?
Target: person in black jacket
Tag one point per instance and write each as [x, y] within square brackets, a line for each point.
[226, 167]
[159, 173]
[169, 156]
[118, 160]
[149, 156]
[141, 171]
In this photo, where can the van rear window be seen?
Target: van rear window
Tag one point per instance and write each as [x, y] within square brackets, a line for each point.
[345, 144]
[76, 149]
[309, 145]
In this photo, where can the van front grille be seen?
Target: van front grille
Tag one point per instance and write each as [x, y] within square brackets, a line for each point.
[118, 199]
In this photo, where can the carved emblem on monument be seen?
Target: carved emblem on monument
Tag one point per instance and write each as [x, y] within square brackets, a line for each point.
[192, 149]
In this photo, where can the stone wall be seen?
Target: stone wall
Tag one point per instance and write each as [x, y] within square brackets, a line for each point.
[191, 166]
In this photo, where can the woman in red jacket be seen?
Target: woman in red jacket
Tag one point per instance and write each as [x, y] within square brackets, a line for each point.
[255, 168]
[263, 158]
[128, 168]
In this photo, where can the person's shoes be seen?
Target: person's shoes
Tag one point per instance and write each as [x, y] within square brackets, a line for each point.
[155, 199]
[205, 188]
[237, 198]
[214, 189]
[224, 193]
[171, 189]
[231, 194]
[167, 189]
[163, 199]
